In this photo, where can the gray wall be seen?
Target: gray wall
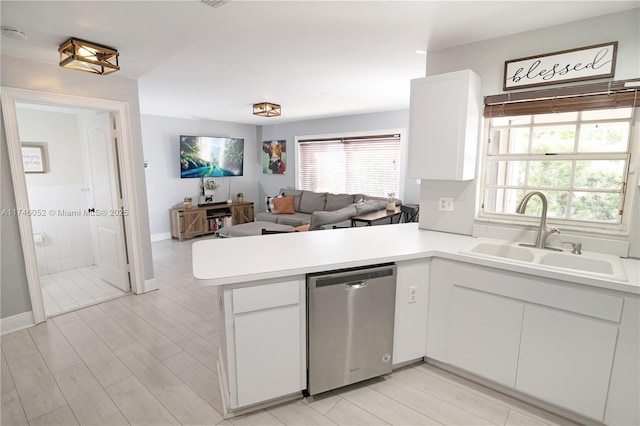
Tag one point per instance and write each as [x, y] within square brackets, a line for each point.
[25, 74]
[165, 188]
[270, 184]
[487, 59]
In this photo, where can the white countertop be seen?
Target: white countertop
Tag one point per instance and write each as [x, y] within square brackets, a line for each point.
[237, 260]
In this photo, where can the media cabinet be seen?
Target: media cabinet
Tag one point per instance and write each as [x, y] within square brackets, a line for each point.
[197, 221]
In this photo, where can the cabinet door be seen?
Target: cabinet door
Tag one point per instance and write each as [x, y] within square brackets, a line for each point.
[193, 223]
[444, 120]
[267, 354]
[269, 333]
[242, 214]
[566, 359]
[484, 334]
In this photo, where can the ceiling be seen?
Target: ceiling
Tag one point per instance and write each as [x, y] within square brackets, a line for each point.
[315, 58]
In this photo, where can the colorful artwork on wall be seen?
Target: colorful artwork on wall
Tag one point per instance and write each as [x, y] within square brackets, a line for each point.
[274, 157]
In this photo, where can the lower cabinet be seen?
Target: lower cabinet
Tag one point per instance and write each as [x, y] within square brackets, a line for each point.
[565, 344]
[566, 359]
[484, 334]
[264, 341]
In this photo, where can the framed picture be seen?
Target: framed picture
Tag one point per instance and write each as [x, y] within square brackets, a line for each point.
[274, 157]
[35, 157]
[584, 63]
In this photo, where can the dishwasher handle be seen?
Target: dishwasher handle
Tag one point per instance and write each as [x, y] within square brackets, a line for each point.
[354, 285]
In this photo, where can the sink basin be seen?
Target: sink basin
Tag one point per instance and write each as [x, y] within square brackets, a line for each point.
[508, 251]
[589, 263]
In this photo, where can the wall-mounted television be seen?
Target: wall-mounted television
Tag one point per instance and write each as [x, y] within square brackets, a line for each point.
[207, 156]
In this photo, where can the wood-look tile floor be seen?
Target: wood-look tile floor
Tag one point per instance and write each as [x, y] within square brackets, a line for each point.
[151, 359]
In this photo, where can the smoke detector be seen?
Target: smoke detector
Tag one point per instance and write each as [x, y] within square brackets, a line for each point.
[13, 33]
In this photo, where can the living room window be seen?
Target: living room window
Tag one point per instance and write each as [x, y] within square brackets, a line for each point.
[578, 156]
[353, 165]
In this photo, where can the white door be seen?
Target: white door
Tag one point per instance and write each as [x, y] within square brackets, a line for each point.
[107, 222]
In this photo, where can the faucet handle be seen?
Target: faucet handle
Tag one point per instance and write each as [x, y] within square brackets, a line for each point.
[576, 247]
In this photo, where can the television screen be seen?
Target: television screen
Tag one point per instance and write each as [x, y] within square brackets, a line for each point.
[204, 156]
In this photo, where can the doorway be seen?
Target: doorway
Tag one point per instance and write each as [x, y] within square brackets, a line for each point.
[78, 177]
[120, 241]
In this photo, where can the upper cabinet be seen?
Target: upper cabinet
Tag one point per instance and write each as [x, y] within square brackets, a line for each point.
[443, 126]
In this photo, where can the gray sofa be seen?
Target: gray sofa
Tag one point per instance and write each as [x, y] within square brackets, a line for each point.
[323, 210]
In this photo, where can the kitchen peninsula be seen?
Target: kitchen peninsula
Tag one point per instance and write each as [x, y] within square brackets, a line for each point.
[263, 329]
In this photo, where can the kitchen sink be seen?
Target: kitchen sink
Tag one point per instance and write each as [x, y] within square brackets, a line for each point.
[590, 263]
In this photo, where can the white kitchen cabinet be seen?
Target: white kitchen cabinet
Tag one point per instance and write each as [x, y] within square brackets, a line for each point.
[444, 121]
[410, 331]
[264, 341]
[566, 359]
[572, 346]
[623, 401]
[484, 334]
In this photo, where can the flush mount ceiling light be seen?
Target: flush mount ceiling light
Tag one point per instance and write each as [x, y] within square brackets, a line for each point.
[87, 56]
[266, 109]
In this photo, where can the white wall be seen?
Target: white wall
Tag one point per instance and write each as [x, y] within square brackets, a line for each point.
[66, 238]
[26, 74]
[165, 188]
[487, 59]
[270, 184]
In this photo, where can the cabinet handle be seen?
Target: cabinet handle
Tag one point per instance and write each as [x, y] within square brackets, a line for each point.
[355, 285]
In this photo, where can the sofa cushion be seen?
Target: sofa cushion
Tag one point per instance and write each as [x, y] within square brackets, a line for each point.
[266, 217]
[338, 201]
[312, 201]
[295, 219]
[296, 194]
[320, 218]
[369, 206]
[283, 205]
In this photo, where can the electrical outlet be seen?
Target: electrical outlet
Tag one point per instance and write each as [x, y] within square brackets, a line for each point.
[413, 294]
[445, 204]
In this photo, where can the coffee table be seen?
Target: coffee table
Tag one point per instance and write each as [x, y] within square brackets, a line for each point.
[378, 215]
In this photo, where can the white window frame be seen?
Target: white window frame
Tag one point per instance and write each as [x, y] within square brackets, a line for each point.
[368, 133]
[621, 228]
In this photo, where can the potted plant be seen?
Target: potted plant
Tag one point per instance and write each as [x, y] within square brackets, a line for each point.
[240, 197]
[391, 203]
[187, 202]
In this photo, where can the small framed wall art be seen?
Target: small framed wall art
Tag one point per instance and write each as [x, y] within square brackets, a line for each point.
[584, 63]
[35, 157]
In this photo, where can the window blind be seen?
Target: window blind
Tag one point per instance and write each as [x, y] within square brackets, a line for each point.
[585, 97]
[356, 165]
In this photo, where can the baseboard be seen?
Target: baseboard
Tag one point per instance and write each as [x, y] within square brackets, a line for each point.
[150, 285]
[16, 322]
[160, 237]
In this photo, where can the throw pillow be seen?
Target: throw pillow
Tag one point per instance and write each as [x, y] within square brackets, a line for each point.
[269, 200]
[283, 205]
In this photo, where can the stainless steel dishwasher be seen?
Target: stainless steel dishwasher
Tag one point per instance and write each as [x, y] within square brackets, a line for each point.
[350, 322]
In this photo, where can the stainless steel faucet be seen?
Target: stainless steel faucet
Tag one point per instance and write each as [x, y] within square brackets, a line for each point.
[543, 230]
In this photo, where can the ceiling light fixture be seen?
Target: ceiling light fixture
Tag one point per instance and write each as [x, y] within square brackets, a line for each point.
[87, 56]
[266, 109]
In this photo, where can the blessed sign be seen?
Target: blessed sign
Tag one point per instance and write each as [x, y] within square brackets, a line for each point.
[585, 63]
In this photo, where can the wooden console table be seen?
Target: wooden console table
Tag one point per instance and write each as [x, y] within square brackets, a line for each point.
[378, 215]
[197, 221]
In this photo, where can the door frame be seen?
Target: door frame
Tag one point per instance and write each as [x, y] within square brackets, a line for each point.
[9, 97]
